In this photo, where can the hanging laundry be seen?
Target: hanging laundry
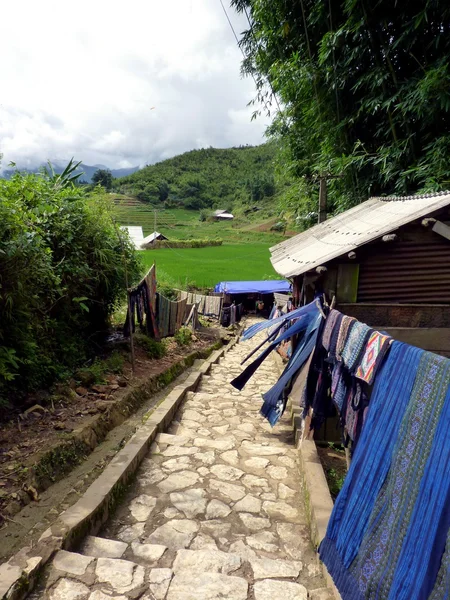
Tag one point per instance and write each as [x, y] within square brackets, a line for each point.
[163, 315]
[181, 309]
[275, 399]
[139, 306]
[262, 325]
[355, 345]
[387, 536]
[305, 316]
[376, 348]
[173, 306]
[225, 316]
[344, 330]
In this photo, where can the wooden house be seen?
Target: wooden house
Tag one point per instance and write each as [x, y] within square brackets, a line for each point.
[387, 262]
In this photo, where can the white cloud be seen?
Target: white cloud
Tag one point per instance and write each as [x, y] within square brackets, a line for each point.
[120, 83]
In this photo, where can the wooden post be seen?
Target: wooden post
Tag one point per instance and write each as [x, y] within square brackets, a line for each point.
[133, 362]
[323, 200]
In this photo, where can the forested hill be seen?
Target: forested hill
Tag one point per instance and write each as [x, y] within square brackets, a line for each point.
[207, 178]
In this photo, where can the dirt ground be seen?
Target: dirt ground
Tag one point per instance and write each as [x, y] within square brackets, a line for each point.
[24, 438]
[334, 465]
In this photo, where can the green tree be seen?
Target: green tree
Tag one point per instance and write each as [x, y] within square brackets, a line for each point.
[104, 178]
[364, 89]
[62, 273]
[163, 190]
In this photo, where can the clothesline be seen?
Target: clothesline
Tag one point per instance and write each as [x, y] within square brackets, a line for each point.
[389, 534]
[157, 315]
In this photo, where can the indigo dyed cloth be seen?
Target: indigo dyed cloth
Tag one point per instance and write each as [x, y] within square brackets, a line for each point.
[330, 325]
[344, 330]
[276, 398]
[355, 345]
[308, 316]
[295, 314]
[387, 536]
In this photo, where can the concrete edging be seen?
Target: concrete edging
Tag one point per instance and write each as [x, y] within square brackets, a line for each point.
[318, 501]
[19, 575]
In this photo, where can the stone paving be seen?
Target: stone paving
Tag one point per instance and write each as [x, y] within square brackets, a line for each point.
[216, 510]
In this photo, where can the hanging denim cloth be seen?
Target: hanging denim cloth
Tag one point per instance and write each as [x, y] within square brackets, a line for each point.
[295, 314]
[276, 398]
[308, 317]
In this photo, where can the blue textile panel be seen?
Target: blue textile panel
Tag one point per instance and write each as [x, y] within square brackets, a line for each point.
[254, 287]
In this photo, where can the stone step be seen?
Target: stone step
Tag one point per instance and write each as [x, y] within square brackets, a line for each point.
[102, 547]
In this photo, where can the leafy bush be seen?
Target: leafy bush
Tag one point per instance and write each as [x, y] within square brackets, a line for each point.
[183, 337]
[153, 348]
[62, 274]
[184, 244]
[100, 367]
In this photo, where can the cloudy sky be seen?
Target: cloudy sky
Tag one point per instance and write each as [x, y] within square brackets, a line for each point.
[120, 83]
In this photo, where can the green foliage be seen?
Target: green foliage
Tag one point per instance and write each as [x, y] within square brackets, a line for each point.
[183, 336]
[63, 180]
[104, 178]
[365, 91]
[61, 277]
[207, 178]
[184, 244]
[99, 368]
[153, 348]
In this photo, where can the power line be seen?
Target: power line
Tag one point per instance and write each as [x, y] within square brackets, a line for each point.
[245, 57]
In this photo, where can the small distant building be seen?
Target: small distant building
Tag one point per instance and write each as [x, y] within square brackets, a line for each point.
[223, 215]
[152, 238]
[136, 234]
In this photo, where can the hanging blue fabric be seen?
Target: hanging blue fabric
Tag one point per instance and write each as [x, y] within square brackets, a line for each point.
[295, 314]
[275, 399]
[309, 316]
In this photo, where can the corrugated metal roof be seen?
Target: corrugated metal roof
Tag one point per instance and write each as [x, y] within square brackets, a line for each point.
[136, 234]
[152, 237]
[349, 230]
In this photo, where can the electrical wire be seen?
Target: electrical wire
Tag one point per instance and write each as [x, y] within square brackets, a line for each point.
[266, 106]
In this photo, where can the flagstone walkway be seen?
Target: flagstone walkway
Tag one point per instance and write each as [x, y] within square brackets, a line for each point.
[216, 510]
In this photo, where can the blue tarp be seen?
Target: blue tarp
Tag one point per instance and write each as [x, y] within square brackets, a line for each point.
[254, 287]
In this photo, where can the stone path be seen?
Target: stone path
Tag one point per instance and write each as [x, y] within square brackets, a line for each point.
[216, 510]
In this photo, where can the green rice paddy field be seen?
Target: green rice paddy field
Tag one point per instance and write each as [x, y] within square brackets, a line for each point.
[204, 267]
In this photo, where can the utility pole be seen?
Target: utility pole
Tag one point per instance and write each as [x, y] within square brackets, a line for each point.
[323, 199]
[154, 220]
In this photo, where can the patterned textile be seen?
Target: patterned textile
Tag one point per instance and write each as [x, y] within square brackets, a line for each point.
[387, 536]
[338, 387]
[355, 344]
[334, 339]
[346, 326]
[212, 305]
[163, 315]
[332, 318]
[377, 346]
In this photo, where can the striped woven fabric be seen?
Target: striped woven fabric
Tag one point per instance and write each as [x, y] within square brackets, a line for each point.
[332, 319]
[346, 325]
[181, 309]
[355, 345]
[387, 536]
